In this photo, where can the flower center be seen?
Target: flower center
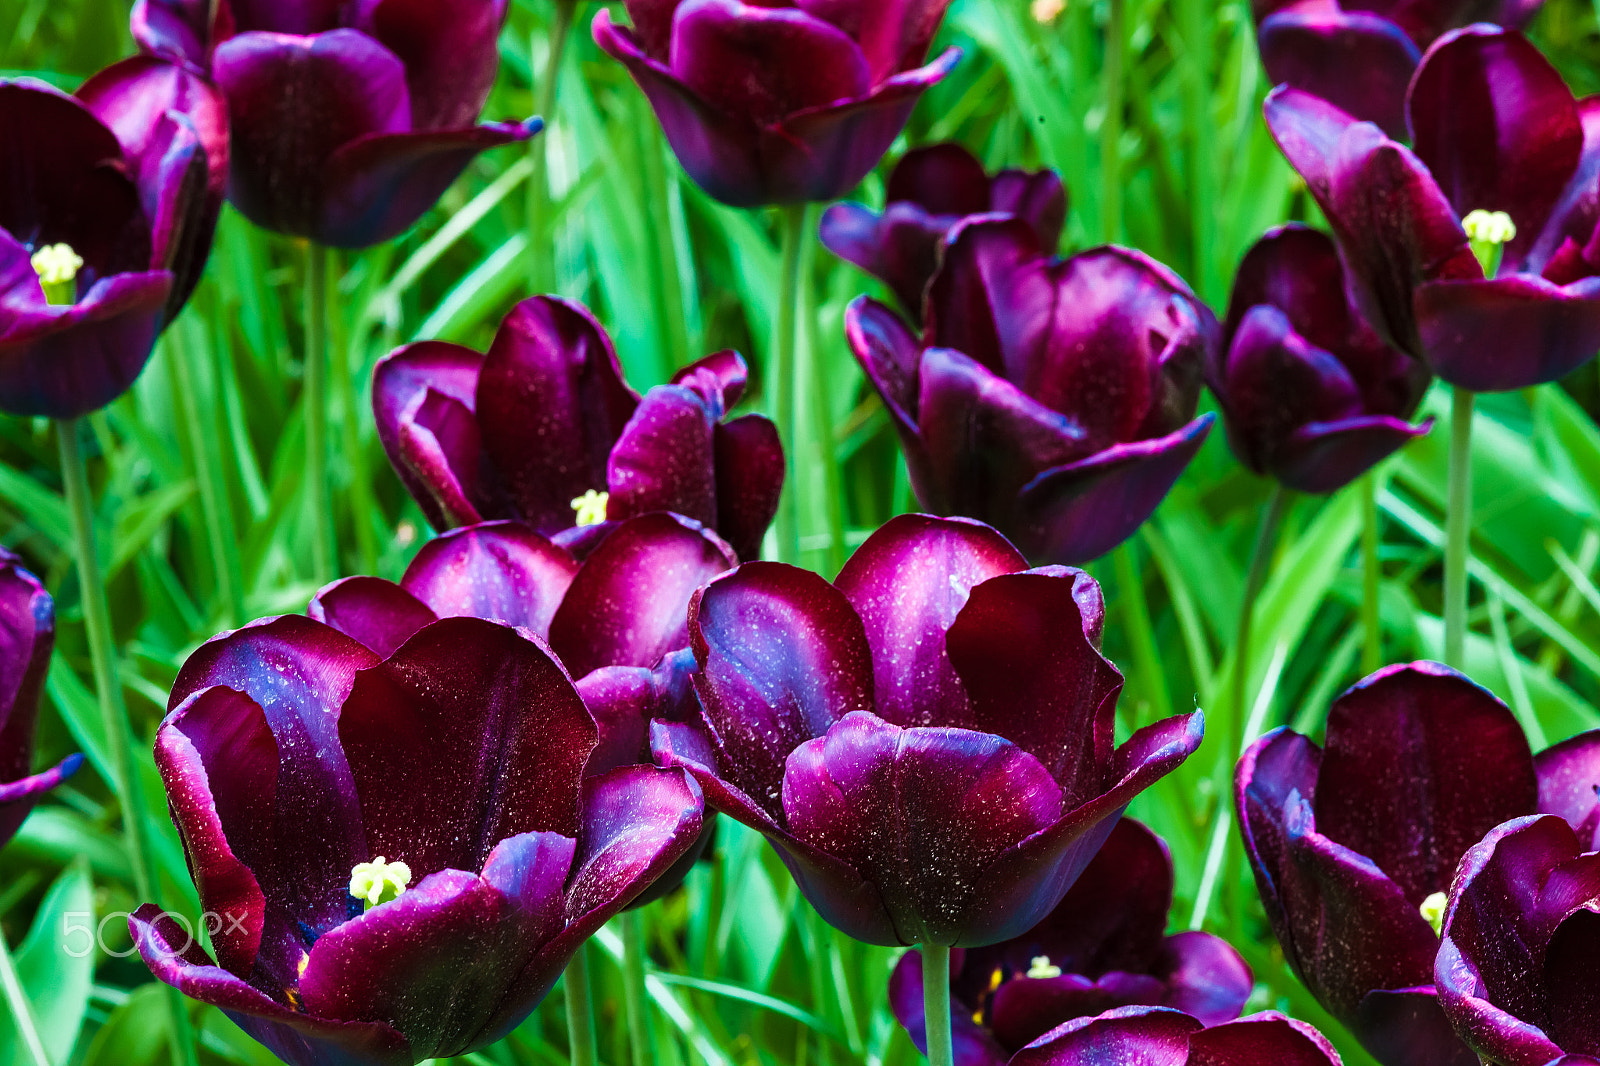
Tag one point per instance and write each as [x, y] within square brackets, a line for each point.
[1433, 912]
[1041, 967]
[378, 882]
[57, 266]
[1488, 232]
[590, 508]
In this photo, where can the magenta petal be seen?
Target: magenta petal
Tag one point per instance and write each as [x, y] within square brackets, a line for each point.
[1315, 49]
[422, 400]
[622, 700]
[1026, 1008]
[495, 720]
[665, 458]
[1569, 783]
[1510, 333]
[1407, 1027]
[719, 378]
[637, 821]
[1149, 1036]
[1325, 457]
[27, 637]
[451, 54]
[18, 797]
[179, 30]
[1206, 977]
[286, 16]
[496, 570]
[750, 468]
[1577, 211]
[890, 354]
[378, 613]
[894, 34]
[973, 1044]
[1268, 1037]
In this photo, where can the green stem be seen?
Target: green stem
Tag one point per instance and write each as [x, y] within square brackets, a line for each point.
[580, 1011]
[1147, 659]
[1255, 578]
[1371, 574]
[782, 379]
[1111, 127]
[633, 992]
[21, 1008]
[213, 493]
[541, 279]
[669, 287]
[936, 1003]
[314, 402]
[113, 714]
[820, 390]
[1458, 529]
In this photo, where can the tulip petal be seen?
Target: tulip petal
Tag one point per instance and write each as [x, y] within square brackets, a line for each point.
[422, 400]
[1314, 48]
[750, 469]
[894, 34]
[890, 355]
[1569, 981]
[1295, 269]
[899, 247]
[1205, 977]
[1407, 1027]
[378, 613]
[718, 378]
[1569, 784]
[1324, 457]
[18, 797]
[973, 1044]
[1510, 333]
[1265, 1037]
[286, 16]
[1038, 198]
[1149, 1036]
[27, 637]
[1022, 1010]
[179, 30]
[451, 57]
[1578, 210]
[494, 718]
[665, 459]
[496, 570]
[942, 179]
[992, 298]
[622, 700]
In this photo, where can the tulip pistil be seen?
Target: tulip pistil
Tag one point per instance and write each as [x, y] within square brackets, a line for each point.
[590, 508]
[1488, 232]
[57, 266]
[378, 881]
[1042, 967]
[1433, 911]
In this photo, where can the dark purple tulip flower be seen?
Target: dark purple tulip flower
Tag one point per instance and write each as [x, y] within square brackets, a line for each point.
[1309, 394]
[108, 202]
[544, 429]
[27, 635]
[1360, 56]
[928, 742]
[779, 102]
[1475, 251]
[930, 190]
[348, 120]
[1053, 399]
[404, 850]
[1103, 946]
[1160, 1036]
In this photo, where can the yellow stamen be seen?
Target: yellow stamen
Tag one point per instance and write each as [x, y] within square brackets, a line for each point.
[1433, 911]
[996, 978]
[378, 882]
[1041, 967]
[1488, 232]
[591, 508]
[57, 266]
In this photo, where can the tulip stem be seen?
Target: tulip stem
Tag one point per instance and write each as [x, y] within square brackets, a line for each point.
[580, 1010]
[113, 713]
[1255, 578]
[21, 1008]
[314, 402]
[213, 492]
[1372, 575]
[633, 992]
[818, 397]
[936, 1003]
[782, 380]
[1111, 126]
[1458, 529]
[540, 279]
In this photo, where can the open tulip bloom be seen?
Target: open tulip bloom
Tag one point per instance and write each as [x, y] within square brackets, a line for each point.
[782, 102]
[544, 429]
[348, 120]
[403, 851]
[1104, 946]
[1054, 399]
[1160, 1036]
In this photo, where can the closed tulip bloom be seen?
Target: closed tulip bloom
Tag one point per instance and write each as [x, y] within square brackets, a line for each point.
[1475, 249]
[348, 121]
[545, 430]
[1054, 399]
[1309, 394]
[928, 742]
[27, 635]
[1159, 1036]
[1104, 946]
[930, 190]
[403, 851]
[779, 103]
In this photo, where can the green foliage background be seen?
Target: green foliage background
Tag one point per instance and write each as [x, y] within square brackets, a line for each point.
[1151, 111]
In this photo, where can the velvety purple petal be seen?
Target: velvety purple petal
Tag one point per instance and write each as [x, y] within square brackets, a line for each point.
[1407, 1028]
[1569, 783]
[1314, 48]
[1262, 1038]
[908, 582]
[1578, 210]
[992, 298]
[782, 657]
[942, 179]
[750, 468]
[551, 402]
[469, 734]
[423, 398]
[18, 797]
[497, 570]
[451, 54]
[1205, 977]
[923, 813]
[1280, 766]
[378, 613]
[1080, 511]
[179, 30]
[890, 354]
[1325, 457]
[665, 459]
[629, 604]
[719, 378]
[894, 34]
[1510, 333]
[973, 1044]
[1026, 1008]
[1569, 983]
[27, 637]
[286, 16]
[1038, 197]
[622, 700]
[899, 247]
[1149, 1036]
[1295, 269]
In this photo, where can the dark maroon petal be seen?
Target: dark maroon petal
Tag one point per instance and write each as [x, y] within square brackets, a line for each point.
[451, 54]
[890, 354]
[665, 459]
[1496, 125]
[286, 16]
[292, 102]
[1399, 787]
[782, 657]
[629, 604]
[172, 954]
[1038, 198]
[551, 403]
[1268, 1037]
[899, 247]
[1314, 48]
[992, 298]
[1578, 210]
[652, 21]
[888, 800]
[1569, 783]
[1026, 1008]
[1082, 510]
[423, 398]
[1568, 980]
[1325, 457]
[469, 734]
[497, 570]
[908, 582]
[1149, 1036]
[1027, 659]
[942, 179]
[894, 34]
[1279, 766]
[1510, 333]
[719, 378]
[1408, 1028]
[378, 613]
[1206, 977]
[973, 1044]
[749, 459]
[1295, 269]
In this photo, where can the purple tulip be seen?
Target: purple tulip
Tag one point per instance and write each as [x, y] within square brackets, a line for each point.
[930, 190]
[350, 120]
[1102, 947]
[1309, 394]
[402, 852]
[1159, 1036]
[779, 102]
[928, 742]
[27, 635]
[108, 202]
[1315, 45]
[544, 429]
[1477, 251]
[1053, 399]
